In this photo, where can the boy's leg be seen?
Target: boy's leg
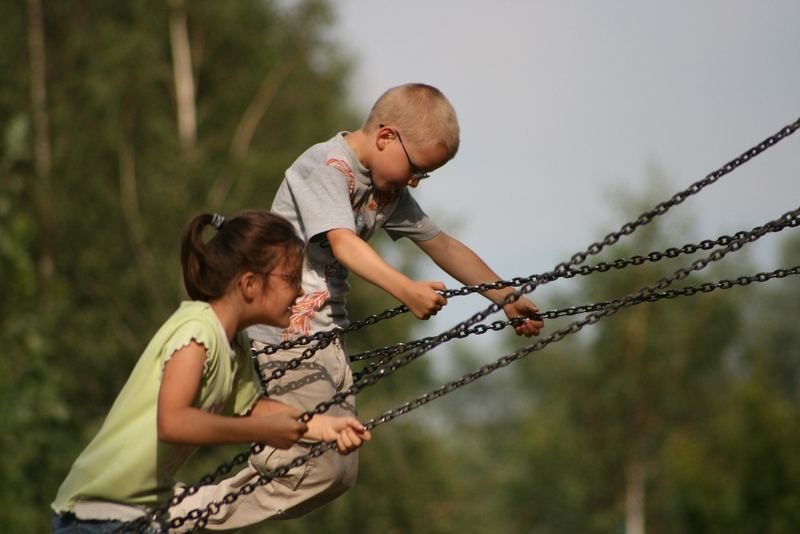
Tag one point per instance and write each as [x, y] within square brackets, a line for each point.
[303, 488]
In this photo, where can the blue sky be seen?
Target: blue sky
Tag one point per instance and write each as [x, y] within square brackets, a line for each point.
[563, 105]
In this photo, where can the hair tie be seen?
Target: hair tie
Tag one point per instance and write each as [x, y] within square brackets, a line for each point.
[218, 221]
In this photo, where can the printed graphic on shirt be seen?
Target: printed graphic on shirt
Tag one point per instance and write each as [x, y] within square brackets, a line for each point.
[383, 198]
[346, 170]
[325, 280]
[303, 311]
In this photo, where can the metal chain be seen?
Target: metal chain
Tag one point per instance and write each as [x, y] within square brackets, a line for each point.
[387, 352]
[328, 335]
[785, 220]
[530, 283]
[526, 287]
[647, 294]
[679, 197]
[611, 309]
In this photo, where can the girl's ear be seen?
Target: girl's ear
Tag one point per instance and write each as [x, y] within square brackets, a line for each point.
[250, 284]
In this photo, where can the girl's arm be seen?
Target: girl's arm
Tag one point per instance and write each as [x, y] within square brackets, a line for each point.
[181, 423]
[348, 432]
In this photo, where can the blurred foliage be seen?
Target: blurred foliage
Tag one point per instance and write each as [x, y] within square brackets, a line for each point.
[702, 393]
[90, 250]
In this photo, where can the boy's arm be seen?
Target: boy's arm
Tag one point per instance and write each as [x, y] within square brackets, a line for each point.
[357, 256]
[461, 262]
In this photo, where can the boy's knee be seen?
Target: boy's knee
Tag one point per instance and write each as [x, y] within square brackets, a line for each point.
[313, 484]
[327, 477]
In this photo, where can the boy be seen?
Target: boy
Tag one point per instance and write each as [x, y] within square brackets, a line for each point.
[336, 195]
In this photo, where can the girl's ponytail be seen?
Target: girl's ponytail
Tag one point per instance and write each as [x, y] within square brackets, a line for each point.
[193, 258]
[254, 241]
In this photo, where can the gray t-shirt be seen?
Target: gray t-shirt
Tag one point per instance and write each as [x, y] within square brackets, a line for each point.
[324, 189]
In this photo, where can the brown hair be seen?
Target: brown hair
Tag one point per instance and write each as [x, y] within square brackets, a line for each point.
[250, 241]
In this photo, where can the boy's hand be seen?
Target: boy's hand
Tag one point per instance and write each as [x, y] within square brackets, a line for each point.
[421, 298]
[348, 432]
[523, 307]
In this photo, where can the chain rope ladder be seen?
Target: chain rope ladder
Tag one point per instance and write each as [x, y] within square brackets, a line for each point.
[529, 285]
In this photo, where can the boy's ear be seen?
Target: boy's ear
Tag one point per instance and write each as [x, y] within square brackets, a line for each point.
[383, 135]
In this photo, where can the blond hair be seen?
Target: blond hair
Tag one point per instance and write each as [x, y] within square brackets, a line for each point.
[420, 112]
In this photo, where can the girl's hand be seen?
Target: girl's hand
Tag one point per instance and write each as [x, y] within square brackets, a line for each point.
[281, 430]
[348, 432]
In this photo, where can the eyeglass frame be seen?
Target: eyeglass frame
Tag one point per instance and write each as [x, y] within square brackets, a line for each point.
[291, 280]
[415, 172]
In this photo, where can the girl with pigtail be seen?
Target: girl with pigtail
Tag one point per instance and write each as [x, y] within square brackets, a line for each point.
[194, 384]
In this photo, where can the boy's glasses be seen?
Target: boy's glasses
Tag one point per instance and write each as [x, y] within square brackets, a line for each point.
[415, 172]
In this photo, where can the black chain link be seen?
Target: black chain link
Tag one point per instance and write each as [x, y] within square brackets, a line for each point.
[525, 286]
[388, 352]
[531, 282]
[607, 309]
[647, 294]
[679, 197]
[788, 219]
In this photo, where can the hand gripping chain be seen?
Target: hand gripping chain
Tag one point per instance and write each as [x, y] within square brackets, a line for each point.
[533, 281]
[651, 293]
[566, 269]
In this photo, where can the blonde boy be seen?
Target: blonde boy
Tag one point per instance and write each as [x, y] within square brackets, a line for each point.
[337, 194]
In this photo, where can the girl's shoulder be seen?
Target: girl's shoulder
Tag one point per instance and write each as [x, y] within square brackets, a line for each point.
[192, 321]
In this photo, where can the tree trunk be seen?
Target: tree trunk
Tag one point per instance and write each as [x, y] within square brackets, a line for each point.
[634, 493]
[182, 72]
[245, 130]
[129, 200]
[635, 464]
[40, 186]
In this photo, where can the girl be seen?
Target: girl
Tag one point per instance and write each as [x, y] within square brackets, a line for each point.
[195, 377]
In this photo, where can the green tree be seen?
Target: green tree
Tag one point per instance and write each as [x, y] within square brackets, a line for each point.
[743, 472]
[120, 121]
[99, 175]
[659, 418]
